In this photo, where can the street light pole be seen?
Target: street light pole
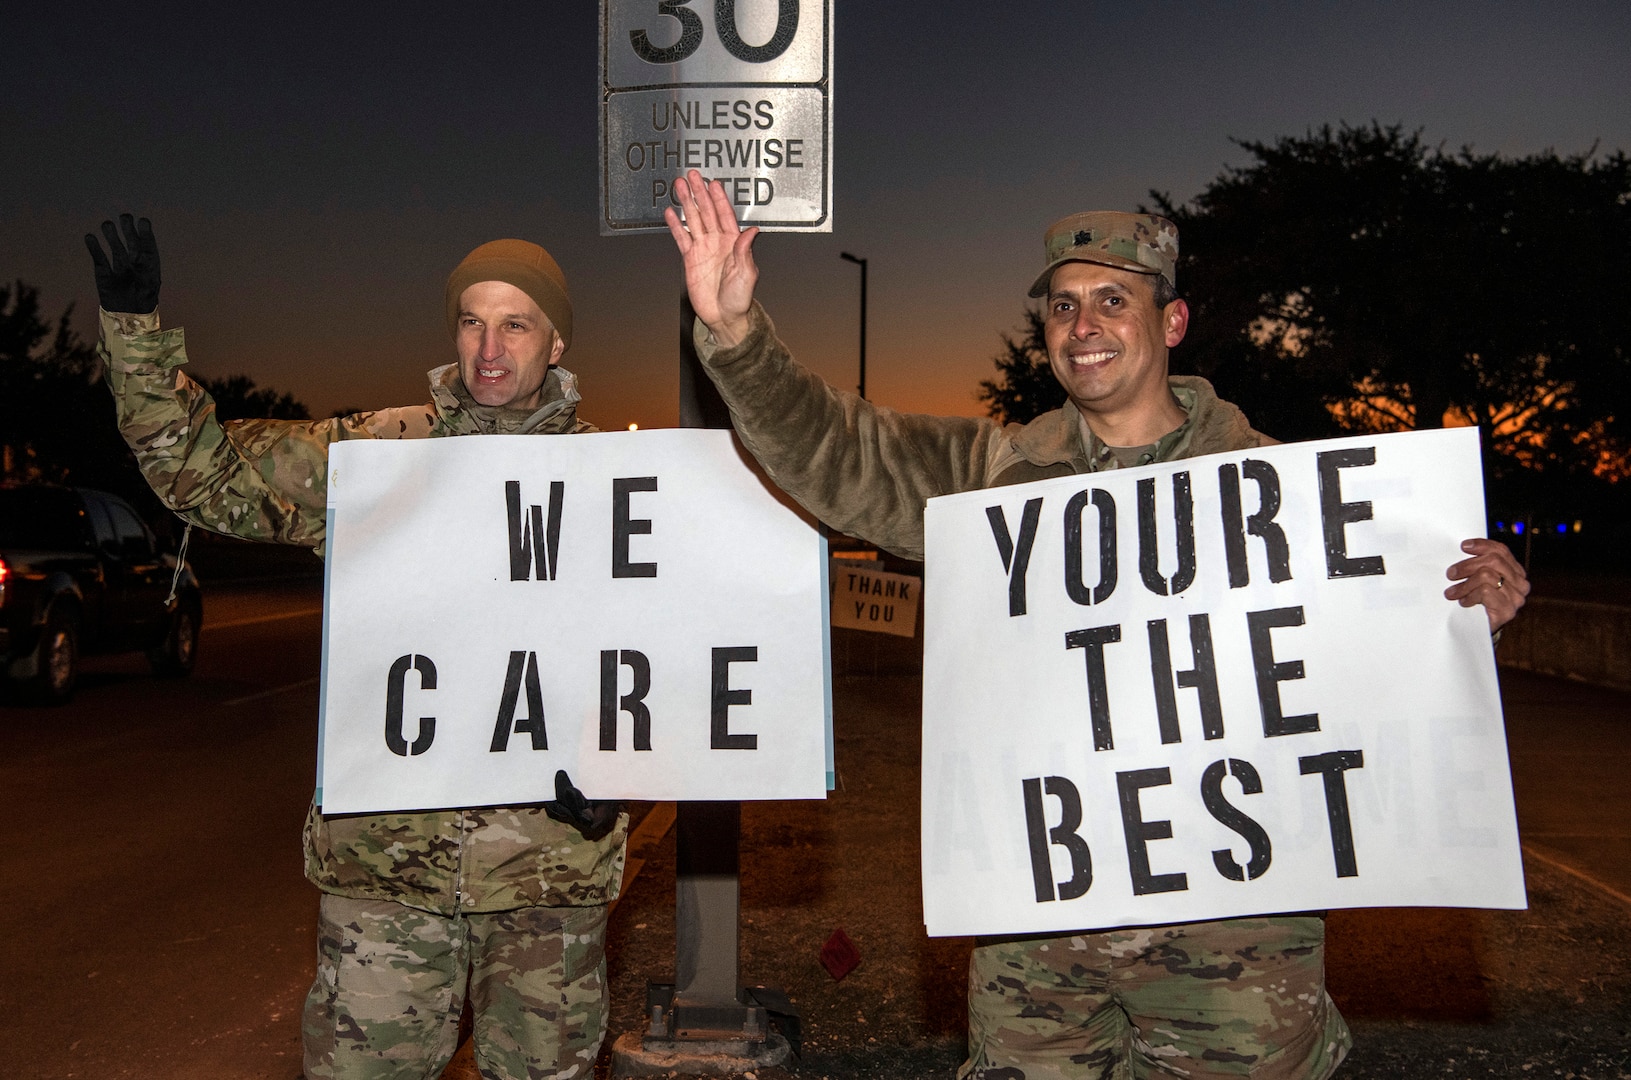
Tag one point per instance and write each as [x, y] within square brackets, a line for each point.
[862, 264]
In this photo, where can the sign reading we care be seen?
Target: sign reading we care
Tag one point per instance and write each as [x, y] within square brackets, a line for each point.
[635, 608]
[1214, 687]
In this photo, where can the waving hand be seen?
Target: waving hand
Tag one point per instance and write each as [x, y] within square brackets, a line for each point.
[719, 270]
[129, 280]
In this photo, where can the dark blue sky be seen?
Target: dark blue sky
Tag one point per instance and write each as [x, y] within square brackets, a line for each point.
[314, 173]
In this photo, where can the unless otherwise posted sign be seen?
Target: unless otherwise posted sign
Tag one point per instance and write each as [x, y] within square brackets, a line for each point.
[1215, 687]
[738, 89]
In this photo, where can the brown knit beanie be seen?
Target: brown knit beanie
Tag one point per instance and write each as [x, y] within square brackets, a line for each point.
[526, 266]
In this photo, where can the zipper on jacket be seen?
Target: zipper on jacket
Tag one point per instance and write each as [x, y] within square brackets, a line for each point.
[458, 871]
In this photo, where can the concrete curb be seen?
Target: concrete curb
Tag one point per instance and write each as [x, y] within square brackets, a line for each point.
[1577, 639]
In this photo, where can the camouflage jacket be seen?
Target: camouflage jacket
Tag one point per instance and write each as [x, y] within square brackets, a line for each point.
[266, 480]
[867, 470]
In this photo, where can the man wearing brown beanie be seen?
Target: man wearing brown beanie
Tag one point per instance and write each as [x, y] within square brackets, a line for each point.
[505, 906]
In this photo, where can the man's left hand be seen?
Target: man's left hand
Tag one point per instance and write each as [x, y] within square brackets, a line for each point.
[127, 277]
[593, 819]
[1492, 577]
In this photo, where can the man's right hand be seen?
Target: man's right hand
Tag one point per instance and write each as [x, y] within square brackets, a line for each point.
[129, 281]
[718, 252]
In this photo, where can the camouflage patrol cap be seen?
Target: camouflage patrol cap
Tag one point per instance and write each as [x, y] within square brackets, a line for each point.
[520, 263]
[1142, 243]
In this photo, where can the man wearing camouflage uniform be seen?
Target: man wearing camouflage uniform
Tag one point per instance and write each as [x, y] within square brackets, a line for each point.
[1227, 998]
[505, 906]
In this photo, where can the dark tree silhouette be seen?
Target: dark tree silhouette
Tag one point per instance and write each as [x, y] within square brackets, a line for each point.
[1024, 387]
[1357, 279]
[56, 420]
[238, 398]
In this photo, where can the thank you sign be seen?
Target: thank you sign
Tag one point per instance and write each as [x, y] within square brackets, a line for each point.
[740, 90]
[866, 597]
[635, 608]
[1215, 687]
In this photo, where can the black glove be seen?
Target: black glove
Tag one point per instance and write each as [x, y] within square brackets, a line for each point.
[130, 281]
[592, 819]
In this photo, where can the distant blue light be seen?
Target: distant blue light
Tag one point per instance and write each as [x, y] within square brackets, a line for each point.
[1562, 528]
[1500, 526]
[1517, 527]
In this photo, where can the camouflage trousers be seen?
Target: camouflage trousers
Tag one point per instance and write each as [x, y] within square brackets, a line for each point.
[392, 981]
[1237, 998]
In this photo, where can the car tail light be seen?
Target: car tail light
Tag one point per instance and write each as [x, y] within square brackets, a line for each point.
[5, 572]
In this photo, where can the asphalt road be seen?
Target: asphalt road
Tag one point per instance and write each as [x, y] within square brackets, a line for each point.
[157, 920]
[158, 923]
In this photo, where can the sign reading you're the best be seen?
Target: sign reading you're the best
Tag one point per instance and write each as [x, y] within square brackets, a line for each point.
[740, 90]
[1215, 687]
[635, 608]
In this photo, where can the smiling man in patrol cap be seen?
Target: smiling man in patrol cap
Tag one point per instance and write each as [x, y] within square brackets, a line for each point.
[1227, 998]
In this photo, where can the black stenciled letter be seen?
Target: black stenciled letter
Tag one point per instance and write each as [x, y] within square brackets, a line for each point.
[1260, 524]
[1332, 766]
[1202, 678]
[633, 702]
[1149, 552]
[724, 697]
[395, 687]
[531, 539]
[1337, 515]
[1098, 692]
[1016, 558]
[1140, 832]
[533, 722]
[787, 24]
[1064, 834]
[623, 526]
[1105, 504]
[1271, 674]
[1228, 815]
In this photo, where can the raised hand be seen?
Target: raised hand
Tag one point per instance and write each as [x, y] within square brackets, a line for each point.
[129, 281]
[1492, 577]
[719, 270]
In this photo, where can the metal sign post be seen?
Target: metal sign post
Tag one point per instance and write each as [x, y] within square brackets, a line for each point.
[706, 1021]
[740, 90]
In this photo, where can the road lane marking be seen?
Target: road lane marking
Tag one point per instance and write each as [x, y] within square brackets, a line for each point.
[646, 836]
[1558, 864]
[253, 619]
[301, 685]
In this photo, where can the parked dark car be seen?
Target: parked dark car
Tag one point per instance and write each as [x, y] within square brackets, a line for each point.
[81, 573]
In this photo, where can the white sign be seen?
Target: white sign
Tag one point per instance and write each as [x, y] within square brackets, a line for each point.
[636, 608]
[740, 90]
[868, 598]
[1209, 688]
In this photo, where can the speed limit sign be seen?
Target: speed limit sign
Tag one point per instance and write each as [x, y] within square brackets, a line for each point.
[740, 90]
